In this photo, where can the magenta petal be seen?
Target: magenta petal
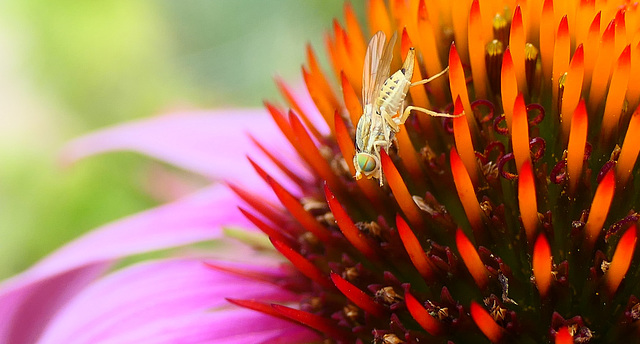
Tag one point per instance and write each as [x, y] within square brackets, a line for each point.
[213, 144]
[237, 326]
[159, 298]
[192, 219]
[24, 312]
[195, 218]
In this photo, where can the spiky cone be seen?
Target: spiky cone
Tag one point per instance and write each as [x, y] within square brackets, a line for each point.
[515, 223]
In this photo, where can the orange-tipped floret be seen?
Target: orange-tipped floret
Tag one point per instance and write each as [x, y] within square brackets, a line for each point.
[542, 265]
[472, 260]
[527, 200]
[621, 259]
[486, 323]
[577, 144]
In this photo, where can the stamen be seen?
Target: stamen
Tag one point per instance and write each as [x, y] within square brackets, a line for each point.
[297, 211]
[520, 132]
[527, 200]
[630, 149]
[591, 51]
[542, 265]
[617, 91]
[351, 101]
[577, 144]
[422, 316]
[530, 62]
[516, 47]
[302, 264]
[472, 260]
[476, 51]
[563, 336]
[464, 144]
[485, 323]
[458, 83]
[379, 17]
[621, 260]
[572, 89]
[501, 28]
[466, 192]
[414, 249]
[428, 43]
[561, 55]
[547, 39]
[311, 153]
[493, 61]
[599, 208]
[357, 296]
[509, 87]
[400, 191]
[316, 322]
[348, 228]
[602, 68]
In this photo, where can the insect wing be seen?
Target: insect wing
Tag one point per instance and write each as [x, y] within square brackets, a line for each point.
[372, 62]
[384, 65]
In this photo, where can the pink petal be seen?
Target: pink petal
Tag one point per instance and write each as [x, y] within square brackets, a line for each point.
[213, 144]
[237, 326]
[24, 312]
[192, 219]
[161, 299]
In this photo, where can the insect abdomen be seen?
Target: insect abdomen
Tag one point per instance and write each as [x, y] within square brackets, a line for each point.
[393, 92]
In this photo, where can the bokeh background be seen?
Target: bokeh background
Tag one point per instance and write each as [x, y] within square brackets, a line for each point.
[68, 67]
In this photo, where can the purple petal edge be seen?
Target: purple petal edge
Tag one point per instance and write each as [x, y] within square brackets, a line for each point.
[214, 144]
[192, 219]
[157, 298]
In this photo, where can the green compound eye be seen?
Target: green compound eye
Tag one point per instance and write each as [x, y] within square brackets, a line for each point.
[366, 162]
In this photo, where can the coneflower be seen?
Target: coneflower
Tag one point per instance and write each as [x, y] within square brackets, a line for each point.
[499, 224]
[513, 222]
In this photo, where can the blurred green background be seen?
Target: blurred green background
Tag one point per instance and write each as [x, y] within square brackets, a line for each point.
[69, 67]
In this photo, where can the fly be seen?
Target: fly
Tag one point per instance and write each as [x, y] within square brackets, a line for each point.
[383, 98]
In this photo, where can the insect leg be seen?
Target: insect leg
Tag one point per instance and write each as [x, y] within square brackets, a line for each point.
[389, 120]
[405, 115]
[426, 81]
[406, 112]
[392, 123]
